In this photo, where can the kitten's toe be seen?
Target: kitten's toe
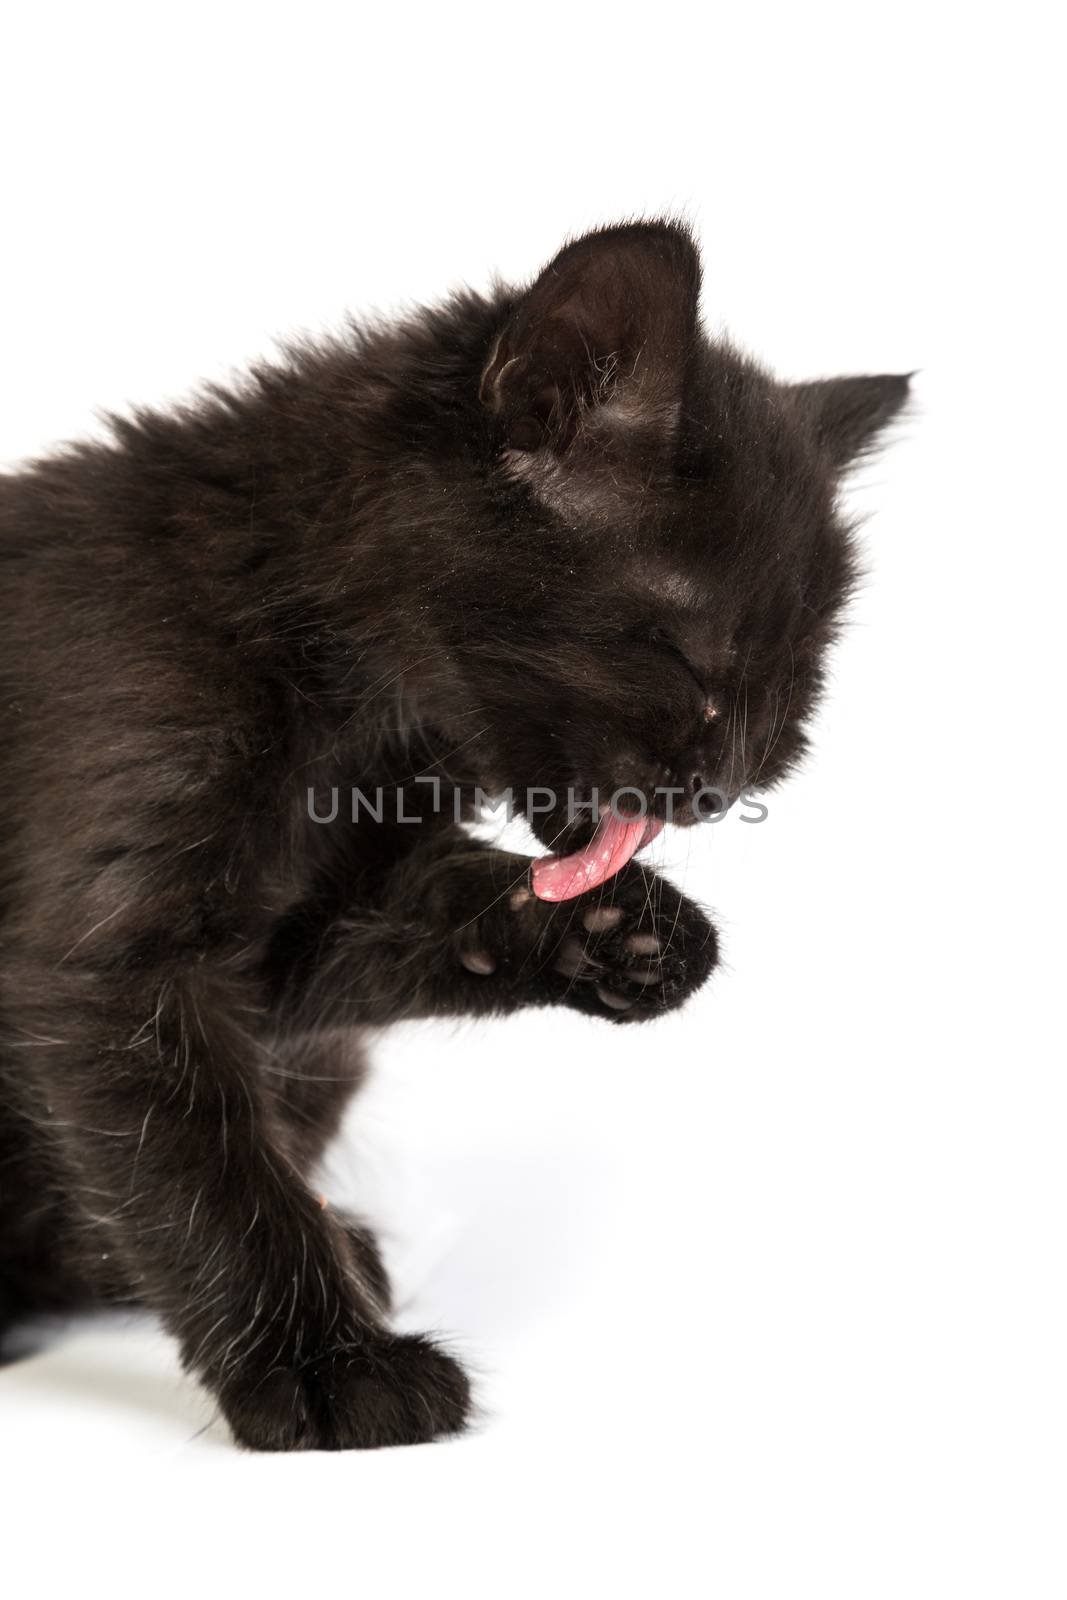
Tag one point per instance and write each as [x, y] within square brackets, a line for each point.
[400, 1389]
[599, 919]
[574, 959]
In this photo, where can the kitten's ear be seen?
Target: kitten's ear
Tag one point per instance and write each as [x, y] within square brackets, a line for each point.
[601, 337]
[850, 413]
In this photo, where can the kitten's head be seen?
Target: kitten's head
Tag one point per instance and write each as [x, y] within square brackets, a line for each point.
[665, 568]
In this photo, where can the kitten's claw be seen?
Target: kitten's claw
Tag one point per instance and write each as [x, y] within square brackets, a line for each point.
[479, 962]
[613, 1001]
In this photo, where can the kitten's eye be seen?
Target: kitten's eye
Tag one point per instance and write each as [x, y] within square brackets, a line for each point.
[661, 640]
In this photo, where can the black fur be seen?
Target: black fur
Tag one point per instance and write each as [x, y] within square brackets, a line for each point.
[546, 538]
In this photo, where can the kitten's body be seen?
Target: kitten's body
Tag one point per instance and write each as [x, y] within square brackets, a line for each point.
[544, 539]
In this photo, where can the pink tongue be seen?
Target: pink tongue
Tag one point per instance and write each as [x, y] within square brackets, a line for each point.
[610, 848]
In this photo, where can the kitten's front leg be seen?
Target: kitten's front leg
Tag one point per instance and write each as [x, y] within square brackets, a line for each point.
[459, 931]
[159, 1125]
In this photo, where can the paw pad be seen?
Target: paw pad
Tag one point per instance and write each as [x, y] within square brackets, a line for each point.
[601, 919]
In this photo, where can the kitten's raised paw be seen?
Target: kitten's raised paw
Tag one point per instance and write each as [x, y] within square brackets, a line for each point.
[636, 953]
[629, 951]
[386, 1389]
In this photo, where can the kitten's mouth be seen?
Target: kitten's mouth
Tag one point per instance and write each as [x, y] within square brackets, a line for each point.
[615, 842]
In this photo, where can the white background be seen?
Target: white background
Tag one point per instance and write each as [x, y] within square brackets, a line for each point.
[767, 1301]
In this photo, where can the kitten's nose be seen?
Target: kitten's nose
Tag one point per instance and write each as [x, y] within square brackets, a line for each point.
[694, 781]
[695, 778]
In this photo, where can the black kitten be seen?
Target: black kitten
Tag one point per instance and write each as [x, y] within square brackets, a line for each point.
[553, 541]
